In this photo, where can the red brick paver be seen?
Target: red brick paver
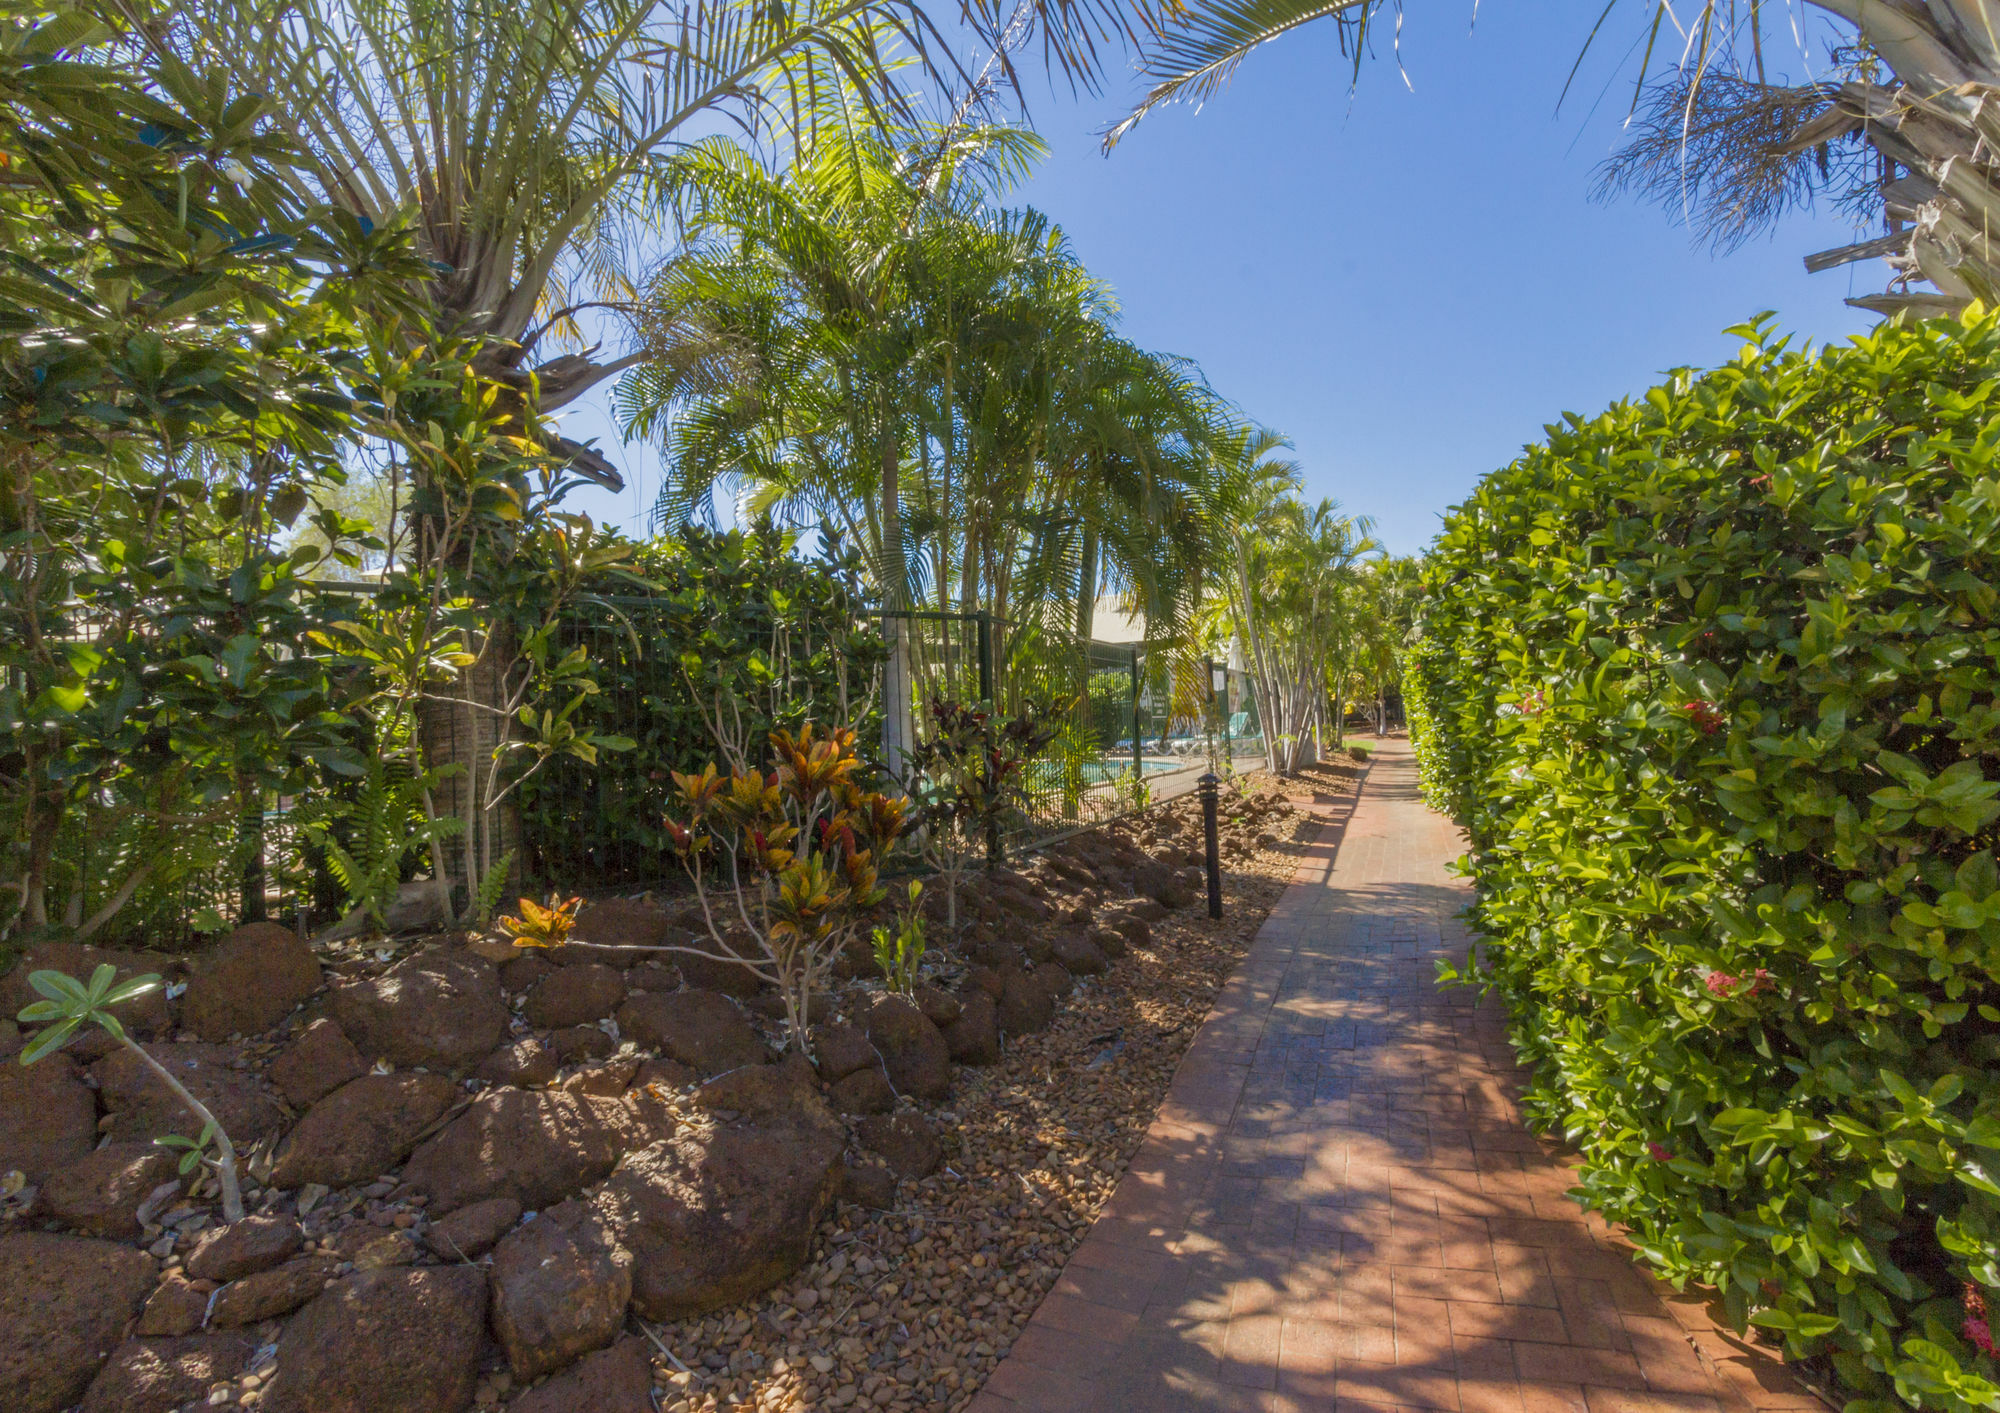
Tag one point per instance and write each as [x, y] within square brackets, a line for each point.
[1338, 1207]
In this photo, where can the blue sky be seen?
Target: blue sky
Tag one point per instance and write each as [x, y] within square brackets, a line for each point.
[1407, 281]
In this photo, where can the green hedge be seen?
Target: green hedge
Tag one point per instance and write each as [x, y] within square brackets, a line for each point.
[1711, 681]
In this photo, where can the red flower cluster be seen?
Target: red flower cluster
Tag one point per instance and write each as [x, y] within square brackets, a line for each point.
[1722, 984]
[1707, 716]
[1661, 1153]
[1975, 1327]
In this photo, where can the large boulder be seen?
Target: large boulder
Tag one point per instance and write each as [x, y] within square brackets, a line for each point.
[48, 1116]
[64, 1304]
[574, 995]
[621, 931]
[1026, 1003]
[1078, 954]
[470, 1232]
[702, 1029]
[536, 1146]
[396, 1340]
[362, 1129]
[143, 1015]
[269, 1294]
[439, 1008]
[974, 1038]
[560, 1287]
[249, 982]
[906, 1141]
[614, 1380]
[243, 1248]
[913, 1052]
[317, 1063]
[712, 1219]
[142, 1107]
[163, 1375]
[525, 1063]
[100, 1193]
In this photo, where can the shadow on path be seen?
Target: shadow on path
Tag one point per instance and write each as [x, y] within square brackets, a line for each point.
[1339, 1207]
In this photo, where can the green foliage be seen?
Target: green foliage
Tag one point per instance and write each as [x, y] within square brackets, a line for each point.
[1711, 681]
[899, 950]
[184, 346]
[546, 925]
[1427, 744]
[68, 1004]
[192, 1150]
[374, 836]
[735, 636]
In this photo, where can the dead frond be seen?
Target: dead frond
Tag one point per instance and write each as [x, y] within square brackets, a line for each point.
[1718, 151]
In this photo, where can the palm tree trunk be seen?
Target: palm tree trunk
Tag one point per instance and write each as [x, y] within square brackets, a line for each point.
[457, 733]
[1086, 596]
[897, 725]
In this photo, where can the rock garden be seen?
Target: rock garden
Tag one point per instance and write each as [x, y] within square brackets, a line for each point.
[592, 1176]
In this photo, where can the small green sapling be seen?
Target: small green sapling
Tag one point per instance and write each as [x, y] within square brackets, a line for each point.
[72, 1004]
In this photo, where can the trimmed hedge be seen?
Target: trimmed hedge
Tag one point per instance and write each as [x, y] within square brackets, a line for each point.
[1711, 682]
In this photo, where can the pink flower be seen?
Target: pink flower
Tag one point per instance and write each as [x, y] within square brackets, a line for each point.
[1706, 716]
[1721, 983]
[1975, 1327]
[1661, 1153]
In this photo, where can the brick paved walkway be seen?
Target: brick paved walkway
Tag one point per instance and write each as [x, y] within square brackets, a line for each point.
[1338, 1207]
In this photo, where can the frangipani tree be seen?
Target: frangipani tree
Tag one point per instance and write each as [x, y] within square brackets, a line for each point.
[530, 147]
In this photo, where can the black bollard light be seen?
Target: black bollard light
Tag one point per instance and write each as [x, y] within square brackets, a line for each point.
[1207, 785]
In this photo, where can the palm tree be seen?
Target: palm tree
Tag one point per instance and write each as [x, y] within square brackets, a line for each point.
[530, 146]
[863, 344]
[783, 350]
[1902, 127]
[1294, 595]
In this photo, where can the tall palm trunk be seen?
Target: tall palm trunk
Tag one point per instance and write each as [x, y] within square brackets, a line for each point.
[898, 735]
[458, 732]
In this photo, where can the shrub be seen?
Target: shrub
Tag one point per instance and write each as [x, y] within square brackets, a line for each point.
[1711, 681]
[700, 646]
[786, 865]
[967, 776]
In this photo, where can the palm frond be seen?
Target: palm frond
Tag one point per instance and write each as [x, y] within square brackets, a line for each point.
[1193, 58]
